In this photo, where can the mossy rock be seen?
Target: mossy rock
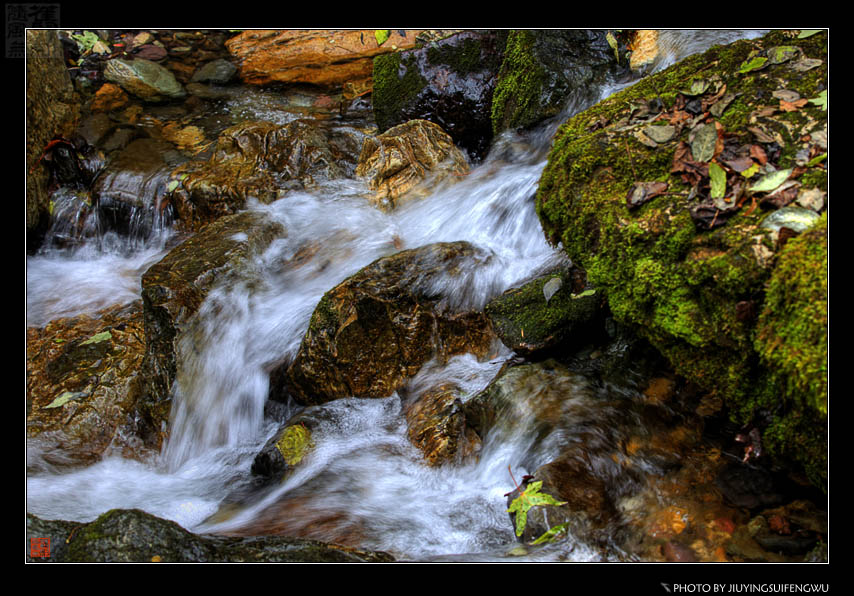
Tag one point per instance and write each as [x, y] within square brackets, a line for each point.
[688, 268]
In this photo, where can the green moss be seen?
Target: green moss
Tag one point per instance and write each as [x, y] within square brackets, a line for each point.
[519, 83]
[294, 443]
[391, 90]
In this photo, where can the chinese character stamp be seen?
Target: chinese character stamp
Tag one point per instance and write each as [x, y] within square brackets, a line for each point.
[21, 16]
[39, 547]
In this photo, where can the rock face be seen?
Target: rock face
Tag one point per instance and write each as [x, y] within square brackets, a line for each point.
[260, 160]
[544, 69]
[52, 111]
[145, 79]
[315, 57]
[377, 328]
[686, 260]
[174, 289]
[83, 389]
[408, 161]
[133, 536]
[449, 82]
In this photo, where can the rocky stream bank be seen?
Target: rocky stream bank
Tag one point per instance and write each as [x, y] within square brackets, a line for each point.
[664, 365]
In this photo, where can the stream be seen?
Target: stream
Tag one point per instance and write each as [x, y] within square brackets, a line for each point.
[364, 483]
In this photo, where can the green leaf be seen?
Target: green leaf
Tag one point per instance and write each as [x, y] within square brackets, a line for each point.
[750, 171]
[583, 294]
[552, 533]
[698, 87]
[98, 337]
[382, 35]
[705, 140]
[718, 179]
[612, 41]
[753, 64]
[63, 398]
[817, 160]
[780, 54]
[771, 181]
[820, 100]
[808, 33]
[530, 497]
[172, 186]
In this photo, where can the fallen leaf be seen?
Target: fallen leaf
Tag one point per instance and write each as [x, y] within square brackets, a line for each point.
[660, 134]
[753, 64]
[704, 143]
[808, 33]
[718, 180]
[780, 54]
[642, 192]
[64, 398]
[382, 35]
[551, 287]
[792, 106]
[98, 337]
[771, 181]
[820, 100]
[758, 153]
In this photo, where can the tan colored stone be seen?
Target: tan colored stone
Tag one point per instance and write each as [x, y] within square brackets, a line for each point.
[644, 48]
[399, 161]
[313, 56]
[108, 98]
[436, 424]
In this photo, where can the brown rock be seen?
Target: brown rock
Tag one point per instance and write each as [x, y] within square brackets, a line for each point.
[82, 388]
[437, 426]
[399, 161]
[376, 329]
[322, 57]
[108, 98]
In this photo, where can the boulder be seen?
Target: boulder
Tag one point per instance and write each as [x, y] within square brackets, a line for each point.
[83, 390]
[376, 329]
[669, 224]
[322, 57]
[52, 111]
[449, 82]
[134, 536]
[219, 71]
[542, 313]
[262, 160]
[408, 161]
[174, 288]
[544, 69]
[144, 79]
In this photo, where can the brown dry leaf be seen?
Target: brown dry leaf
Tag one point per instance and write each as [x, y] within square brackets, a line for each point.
[643, 192]
[792, 106]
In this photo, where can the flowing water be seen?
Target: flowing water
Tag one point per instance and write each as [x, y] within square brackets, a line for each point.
[364, 481]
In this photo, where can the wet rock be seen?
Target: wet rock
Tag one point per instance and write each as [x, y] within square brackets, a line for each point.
[436, 424]
[449, 82]
[676, 552]
[542, 314]
[53, 109]
[543, 70]
[262, 160]
[644, 47]
[218, 71]
[378, 327]
[174, 288]
[283, 452]
[129, 191]
[748, 486]
[408, 161]
[83, 390]
[329, 58]
[144, 79]
[133, 536]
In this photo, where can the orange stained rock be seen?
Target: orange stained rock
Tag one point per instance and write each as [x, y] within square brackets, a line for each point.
[313, 56]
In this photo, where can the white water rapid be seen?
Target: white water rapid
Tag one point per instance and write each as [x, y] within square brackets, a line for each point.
[363, 463]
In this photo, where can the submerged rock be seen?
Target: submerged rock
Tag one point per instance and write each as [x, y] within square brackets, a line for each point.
[376, 329]
[686, 267]
[134, 536]
[436, 424]
[408, 161]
